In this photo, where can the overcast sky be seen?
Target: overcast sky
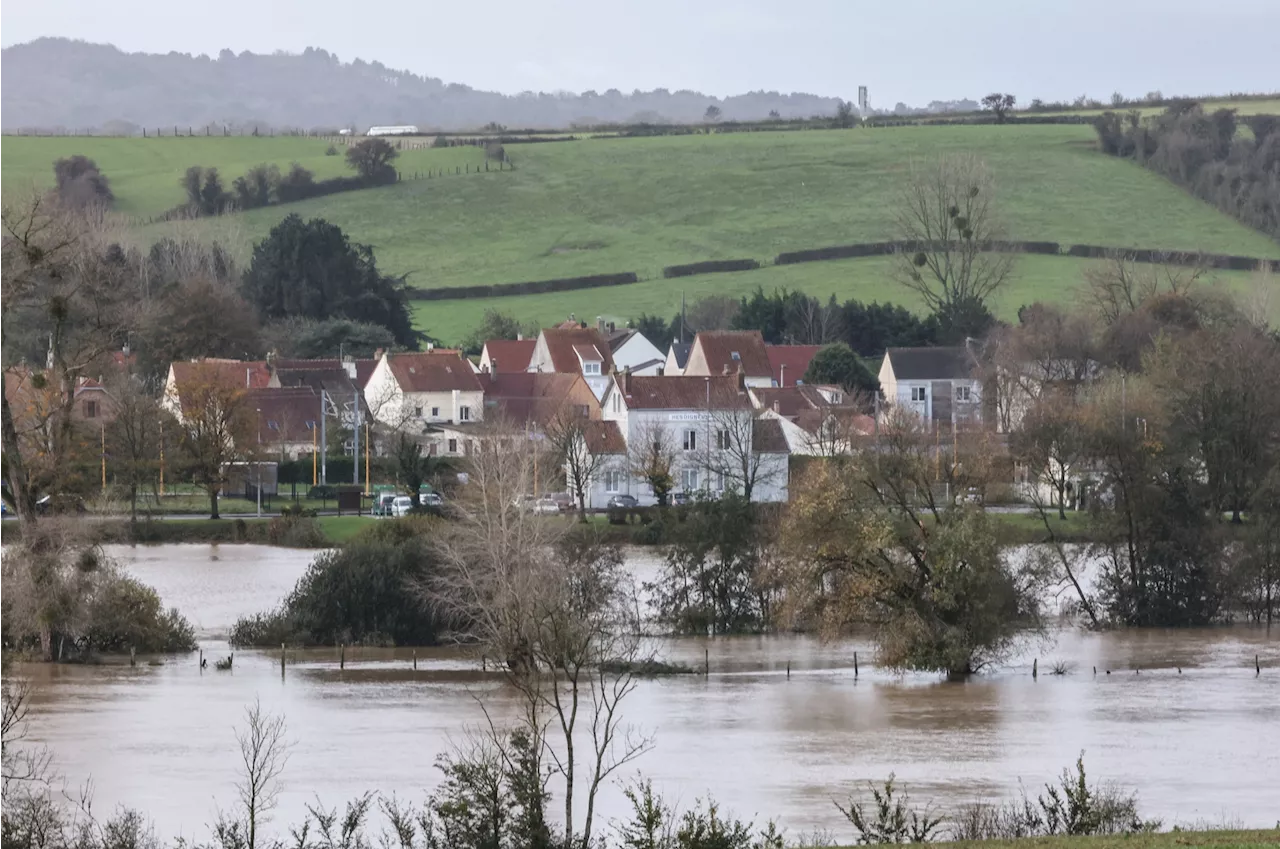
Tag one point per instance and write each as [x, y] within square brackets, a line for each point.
[904, 50]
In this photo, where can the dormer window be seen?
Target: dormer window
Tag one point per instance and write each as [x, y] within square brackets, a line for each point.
[736, 355]
[590, 368]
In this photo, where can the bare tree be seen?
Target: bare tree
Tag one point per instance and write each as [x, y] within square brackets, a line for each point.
[217, 427]
[651, 456]
[264, 752]
[19, 764]
[134, 433]
[733, 452]
[49, 575]
[1118, 286]
[947, 213]
[553, 608]
[568, 434]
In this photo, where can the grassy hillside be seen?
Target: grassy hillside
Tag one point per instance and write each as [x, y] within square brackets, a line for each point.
[606, 205]
[145, 173]
[1037, 278]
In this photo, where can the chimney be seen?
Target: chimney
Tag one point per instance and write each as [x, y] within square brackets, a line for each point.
[725, 370]
[493, 370]
[349, 366]
[777, 406]
[431, 347]
[612, 327]
[782, 375]
[247, 382]
[519, 337]
[626, 381]
[377, 355]
[600, 324]
[742, 379]
[661, 371]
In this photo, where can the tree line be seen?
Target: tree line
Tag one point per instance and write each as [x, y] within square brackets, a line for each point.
[1206, 154]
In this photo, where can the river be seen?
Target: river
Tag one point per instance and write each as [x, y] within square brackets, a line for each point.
[1195, 732]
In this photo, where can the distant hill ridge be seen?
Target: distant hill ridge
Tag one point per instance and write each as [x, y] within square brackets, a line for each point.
[57, 84]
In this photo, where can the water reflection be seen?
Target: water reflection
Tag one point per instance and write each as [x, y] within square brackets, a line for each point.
[1197, 744]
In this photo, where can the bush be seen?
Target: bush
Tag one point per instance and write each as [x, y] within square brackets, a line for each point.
[890, 819]
[331, 150]
[293, 530]
[653, 824]
[361, 593]
[125, 614]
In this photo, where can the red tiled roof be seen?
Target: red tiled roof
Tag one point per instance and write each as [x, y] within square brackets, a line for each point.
[561, 344]
[511, 355]
[767, 437]
[723, 349]
[850, 419]
[532, 397]
[588, 353]
[604, 438]
[248, 374]
[282, 414]
[786, 402]
[433, 371]
[682, 393]
[796, 358]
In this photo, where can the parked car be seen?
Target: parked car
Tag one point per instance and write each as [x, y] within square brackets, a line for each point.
[524, 503]
[546, 507]
[401, 506]
[622, 502]
[680, 499]
[564, 501]
[382, 504]
[432, 499]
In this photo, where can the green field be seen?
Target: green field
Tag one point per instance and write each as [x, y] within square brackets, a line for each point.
[609, 205]
[145, 173]
[1037, 278]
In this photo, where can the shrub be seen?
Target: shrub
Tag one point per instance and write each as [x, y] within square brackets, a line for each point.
[653, 825]
[890, 819]
[293, 530]
[126, 614]
[331, 150]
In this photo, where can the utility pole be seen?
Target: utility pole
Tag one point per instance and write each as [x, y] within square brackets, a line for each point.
[355, 432]
[257, 463]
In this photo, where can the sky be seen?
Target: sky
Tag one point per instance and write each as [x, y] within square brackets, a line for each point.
[912, 51]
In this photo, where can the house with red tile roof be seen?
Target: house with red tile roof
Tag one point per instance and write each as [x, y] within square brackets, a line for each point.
[574, 350]
[721, 352]
[788, 363]
[507, 355]
[232, 374]
[704, 429]
[532, 399]
[815, 420]
[421, 389]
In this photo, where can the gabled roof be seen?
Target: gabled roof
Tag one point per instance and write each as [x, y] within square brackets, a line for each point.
[796, 358]
[511, 355]
[433, 371]
[931, 363]
[767, 437]
[251, 374]
[604, 438]
[363, 368]
[680, 350]
[852, 421]
[333, 380]
[785, 402]
[283, 413]
[619, 337]
[561, 343]
[532, 396]
[681, 393]
[727, 349]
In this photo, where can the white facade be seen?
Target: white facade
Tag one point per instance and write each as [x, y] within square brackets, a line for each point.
[945, 399]
[394, 407]
[700, 464]
[639, 355]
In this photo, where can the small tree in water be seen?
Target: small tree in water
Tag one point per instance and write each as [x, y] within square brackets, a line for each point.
[881, 540]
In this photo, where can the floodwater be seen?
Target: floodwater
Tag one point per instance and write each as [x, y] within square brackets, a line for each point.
[1195, 732]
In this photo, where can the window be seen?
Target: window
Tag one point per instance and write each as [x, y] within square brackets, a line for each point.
[435, 449]
[612, 480]
[962, 393]
[690, 440]
[90, 409]
[453, 446]
[590, 368]
[617, 403]
[582, 410]
[464, 413]
[736, 356]
[919, 393]
[417, 411]
[689, 480]
[435, 412]
[719, 481]
[722, 440]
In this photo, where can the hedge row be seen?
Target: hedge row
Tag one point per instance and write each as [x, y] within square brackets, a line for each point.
[1235, 263]
[534, 287]
[709, 267]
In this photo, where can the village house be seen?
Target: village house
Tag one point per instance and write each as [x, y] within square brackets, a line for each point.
[415, 391]
[184, 376]
[632, 352]
[574, 350]
[507, 355]
[286, 421]
[677, 358]
[815, 420]
[722, 352]
[943, 386]
[705, 427]
[788, 363]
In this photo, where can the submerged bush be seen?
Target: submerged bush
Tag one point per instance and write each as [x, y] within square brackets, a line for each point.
[126, 614]
[361, 593]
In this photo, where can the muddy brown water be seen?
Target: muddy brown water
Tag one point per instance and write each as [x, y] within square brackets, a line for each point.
[1202, 744]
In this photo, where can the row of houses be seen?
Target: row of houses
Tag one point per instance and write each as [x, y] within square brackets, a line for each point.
[723, 411]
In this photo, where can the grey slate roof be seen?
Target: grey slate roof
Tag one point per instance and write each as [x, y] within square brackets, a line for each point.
[932, 363]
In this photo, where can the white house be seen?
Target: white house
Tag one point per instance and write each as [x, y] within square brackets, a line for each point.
[574, 350]
[703, 429]
[815, 419]
[941, 385]
[677, 358]
[431, 388]
[634, 353]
